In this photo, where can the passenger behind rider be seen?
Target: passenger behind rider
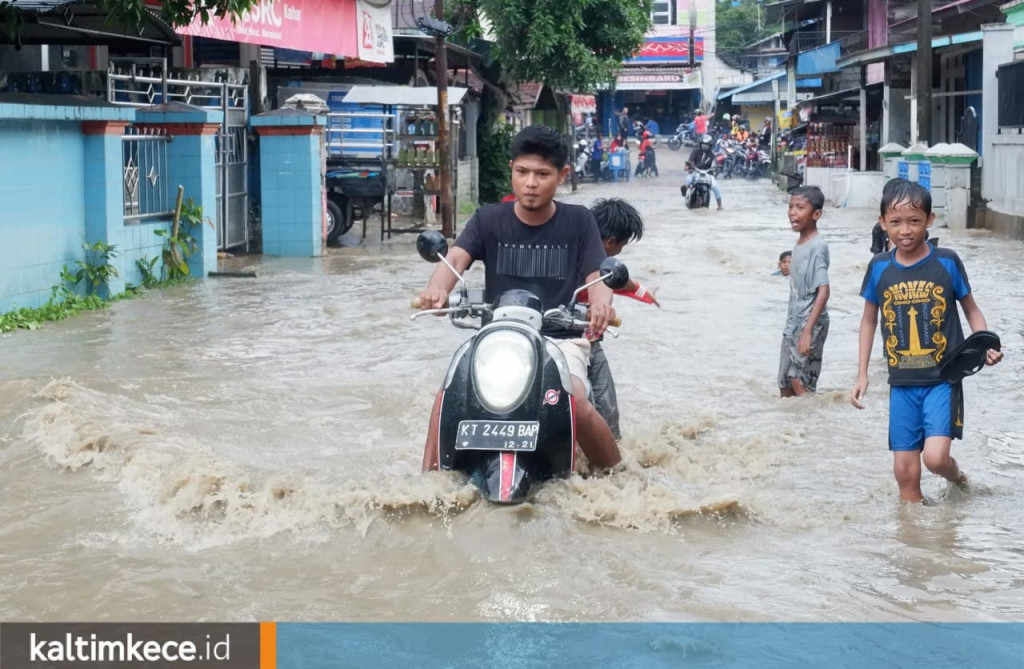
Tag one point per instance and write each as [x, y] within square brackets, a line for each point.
[548, 248]
[619, 223]
[648, 163]
[739, 131]
[702, 158]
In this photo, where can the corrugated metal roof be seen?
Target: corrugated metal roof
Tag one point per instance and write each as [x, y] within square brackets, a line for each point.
[754, 84]
[885, 52]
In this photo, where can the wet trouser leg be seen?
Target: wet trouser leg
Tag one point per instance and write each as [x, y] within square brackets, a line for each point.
[603, 388]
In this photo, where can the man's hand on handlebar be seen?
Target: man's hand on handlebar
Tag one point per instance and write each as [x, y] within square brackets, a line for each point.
[433, 298]
[601, 316]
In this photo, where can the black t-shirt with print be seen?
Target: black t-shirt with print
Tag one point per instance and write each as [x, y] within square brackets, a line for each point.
[550, 260]
[920, 321]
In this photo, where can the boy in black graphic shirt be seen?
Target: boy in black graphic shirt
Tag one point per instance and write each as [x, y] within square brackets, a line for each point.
[916, 286]
[548, 248]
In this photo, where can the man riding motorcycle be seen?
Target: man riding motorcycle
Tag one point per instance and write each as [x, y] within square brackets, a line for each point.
[703, 158]
[547, 247]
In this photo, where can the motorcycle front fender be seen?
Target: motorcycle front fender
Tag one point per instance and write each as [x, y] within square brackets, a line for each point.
[509, 476]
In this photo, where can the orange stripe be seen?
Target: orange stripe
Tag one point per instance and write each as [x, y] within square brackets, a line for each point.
[268, 645]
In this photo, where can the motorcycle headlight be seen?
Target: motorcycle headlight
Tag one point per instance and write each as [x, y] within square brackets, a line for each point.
[503, 368]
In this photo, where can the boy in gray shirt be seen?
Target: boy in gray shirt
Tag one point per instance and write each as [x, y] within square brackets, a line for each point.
[803, 338]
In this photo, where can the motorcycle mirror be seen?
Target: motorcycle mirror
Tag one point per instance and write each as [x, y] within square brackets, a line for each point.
[431, 245]
[615, 273]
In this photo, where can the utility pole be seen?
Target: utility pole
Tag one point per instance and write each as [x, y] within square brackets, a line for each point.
[924, 71]
[444, 171]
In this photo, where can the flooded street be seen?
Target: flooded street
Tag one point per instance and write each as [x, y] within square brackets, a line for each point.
[244, 449]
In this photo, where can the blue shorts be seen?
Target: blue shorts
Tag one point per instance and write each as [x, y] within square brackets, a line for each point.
[919, 412]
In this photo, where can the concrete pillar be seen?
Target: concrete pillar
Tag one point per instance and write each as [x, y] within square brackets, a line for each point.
[935, 157]
[104, 194]
[292, 194]
[863, 122]
[192, 163]
[891, 154]
[997, 48]
[791, 83]
[957, 162]
[907, 167]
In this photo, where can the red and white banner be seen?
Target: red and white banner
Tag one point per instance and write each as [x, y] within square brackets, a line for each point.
[322, 26]
[375, 42]
[583, 104]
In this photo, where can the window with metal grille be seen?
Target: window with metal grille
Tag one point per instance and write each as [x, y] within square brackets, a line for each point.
[1011, 94]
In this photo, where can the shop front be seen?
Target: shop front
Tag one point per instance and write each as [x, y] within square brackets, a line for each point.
[338, 28]
[662, 83]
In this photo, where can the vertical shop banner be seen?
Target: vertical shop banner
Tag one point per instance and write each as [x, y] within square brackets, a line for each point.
[323, 26]
[375, 40]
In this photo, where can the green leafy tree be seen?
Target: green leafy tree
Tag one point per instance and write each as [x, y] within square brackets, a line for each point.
[567, 44]
[737, 24]
[571, 44]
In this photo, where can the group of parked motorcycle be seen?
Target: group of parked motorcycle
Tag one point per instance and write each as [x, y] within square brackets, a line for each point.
[742, 159]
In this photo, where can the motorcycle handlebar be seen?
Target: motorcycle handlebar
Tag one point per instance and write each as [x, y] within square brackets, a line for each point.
[416, 304]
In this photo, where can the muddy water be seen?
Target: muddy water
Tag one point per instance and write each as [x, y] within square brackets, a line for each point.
[249, 449]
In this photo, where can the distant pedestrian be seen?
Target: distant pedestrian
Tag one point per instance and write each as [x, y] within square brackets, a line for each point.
[785, 258]
[700, 123]
[624, 124]
[803, 339]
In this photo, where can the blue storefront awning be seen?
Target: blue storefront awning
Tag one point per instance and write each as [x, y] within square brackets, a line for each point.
[754, 84]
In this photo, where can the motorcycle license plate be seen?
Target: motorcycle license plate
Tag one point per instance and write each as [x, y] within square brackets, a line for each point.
[497, 435]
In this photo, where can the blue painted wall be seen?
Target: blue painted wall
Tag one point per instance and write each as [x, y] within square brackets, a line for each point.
[60, 188]
[42, 216]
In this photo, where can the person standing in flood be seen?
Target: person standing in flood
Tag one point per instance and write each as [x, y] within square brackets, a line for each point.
[803, 339]
[915, 286]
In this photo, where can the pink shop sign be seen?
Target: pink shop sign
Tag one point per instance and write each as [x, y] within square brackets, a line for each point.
[323, 26]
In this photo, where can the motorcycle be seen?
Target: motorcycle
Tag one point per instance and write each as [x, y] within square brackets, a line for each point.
[733, 159]
[507, 418]
[758, 162]
[584, 165]
[682, 137]
[698, 194]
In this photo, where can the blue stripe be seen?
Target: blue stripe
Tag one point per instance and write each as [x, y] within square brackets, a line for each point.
[649, 646]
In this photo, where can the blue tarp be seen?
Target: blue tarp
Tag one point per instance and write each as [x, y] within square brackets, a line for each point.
[818, 61]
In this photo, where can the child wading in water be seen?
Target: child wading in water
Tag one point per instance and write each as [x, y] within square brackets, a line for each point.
[803, 339]
[619, 223]
[914, 286]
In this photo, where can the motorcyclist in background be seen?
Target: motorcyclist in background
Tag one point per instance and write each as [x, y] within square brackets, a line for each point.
[703, 158]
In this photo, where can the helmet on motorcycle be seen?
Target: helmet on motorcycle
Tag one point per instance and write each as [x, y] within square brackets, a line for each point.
[725, 117]
[705, 141]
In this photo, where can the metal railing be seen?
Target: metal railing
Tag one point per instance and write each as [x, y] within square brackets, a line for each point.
[812, 39]
[144, 161]
[360, 134]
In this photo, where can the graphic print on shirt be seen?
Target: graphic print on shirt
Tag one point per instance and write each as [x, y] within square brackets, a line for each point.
[534, 261]
[914, 312]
